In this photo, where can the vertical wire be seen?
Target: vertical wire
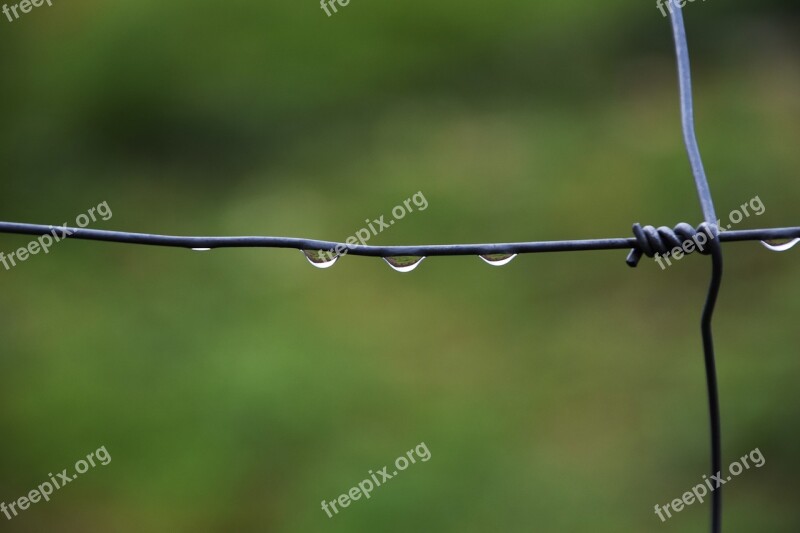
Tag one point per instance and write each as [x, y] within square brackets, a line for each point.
[687, 117]
[711, 382]
[707, 205]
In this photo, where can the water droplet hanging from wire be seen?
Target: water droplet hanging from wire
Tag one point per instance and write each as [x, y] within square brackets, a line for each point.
[405, 263]
[321, 258]
[498, 259]
[780, 245]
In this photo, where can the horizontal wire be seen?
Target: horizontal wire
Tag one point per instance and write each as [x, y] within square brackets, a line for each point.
[369, 251]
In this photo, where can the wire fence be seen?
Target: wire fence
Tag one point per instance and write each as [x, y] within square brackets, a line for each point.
[647, 241]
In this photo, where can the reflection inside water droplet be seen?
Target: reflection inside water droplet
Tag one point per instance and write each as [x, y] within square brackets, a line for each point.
[780, 245]
[404, 263]
[321, 258]
[201, 249]
[498, 260]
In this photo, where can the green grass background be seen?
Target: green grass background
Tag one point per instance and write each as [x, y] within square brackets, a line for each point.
[236, 389]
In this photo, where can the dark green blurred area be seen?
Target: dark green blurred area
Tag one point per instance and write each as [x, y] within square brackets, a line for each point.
[237, 389]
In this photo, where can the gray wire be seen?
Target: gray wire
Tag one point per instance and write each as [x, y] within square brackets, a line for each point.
[687, 116]
[707, 205]
[176, 241]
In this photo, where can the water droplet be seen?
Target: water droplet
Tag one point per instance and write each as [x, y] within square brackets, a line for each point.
[321, 258]
[201, 249]
[780, 245]
[498, 260]
[404, 263]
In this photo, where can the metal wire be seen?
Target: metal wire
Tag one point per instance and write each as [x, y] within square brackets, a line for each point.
[175, 241]
[711, 382]
[687, 115]
[707, 205]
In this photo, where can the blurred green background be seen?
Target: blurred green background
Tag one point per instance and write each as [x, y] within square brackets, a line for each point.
[237, 389]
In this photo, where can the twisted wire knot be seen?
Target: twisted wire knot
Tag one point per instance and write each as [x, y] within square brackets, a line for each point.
[652, 242]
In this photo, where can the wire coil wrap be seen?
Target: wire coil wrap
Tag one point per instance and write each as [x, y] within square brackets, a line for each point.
[652, 241]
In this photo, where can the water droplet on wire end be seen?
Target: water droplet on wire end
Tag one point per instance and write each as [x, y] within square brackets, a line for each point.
[780, 245]
[404, 263]
[321, 258]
